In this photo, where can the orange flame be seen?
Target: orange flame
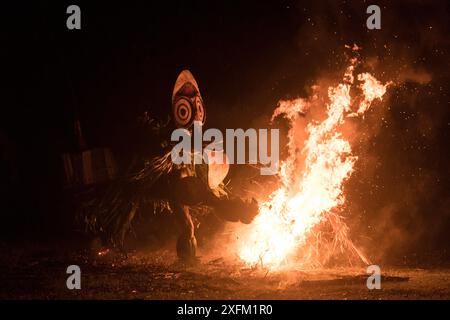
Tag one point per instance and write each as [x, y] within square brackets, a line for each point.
[313, 193]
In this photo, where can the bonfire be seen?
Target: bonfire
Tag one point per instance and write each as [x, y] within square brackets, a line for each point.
[310, 197]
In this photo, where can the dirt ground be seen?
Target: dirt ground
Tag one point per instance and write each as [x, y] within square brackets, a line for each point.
[39, 272]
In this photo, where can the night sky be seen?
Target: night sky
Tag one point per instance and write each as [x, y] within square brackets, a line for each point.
[246, 56]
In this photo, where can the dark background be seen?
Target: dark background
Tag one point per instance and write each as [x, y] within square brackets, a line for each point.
[246, 56]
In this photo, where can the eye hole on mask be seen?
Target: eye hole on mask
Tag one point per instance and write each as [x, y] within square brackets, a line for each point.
[183, 112]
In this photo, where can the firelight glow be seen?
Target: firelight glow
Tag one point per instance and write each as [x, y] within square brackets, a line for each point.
[310, 192]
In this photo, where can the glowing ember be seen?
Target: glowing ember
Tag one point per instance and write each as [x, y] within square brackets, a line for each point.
[102, 253]
[311, 182]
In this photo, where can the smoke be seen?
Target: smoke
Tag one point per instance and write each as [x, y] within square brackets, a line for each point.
[400, 178]
[397, 203]
[394, 195]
